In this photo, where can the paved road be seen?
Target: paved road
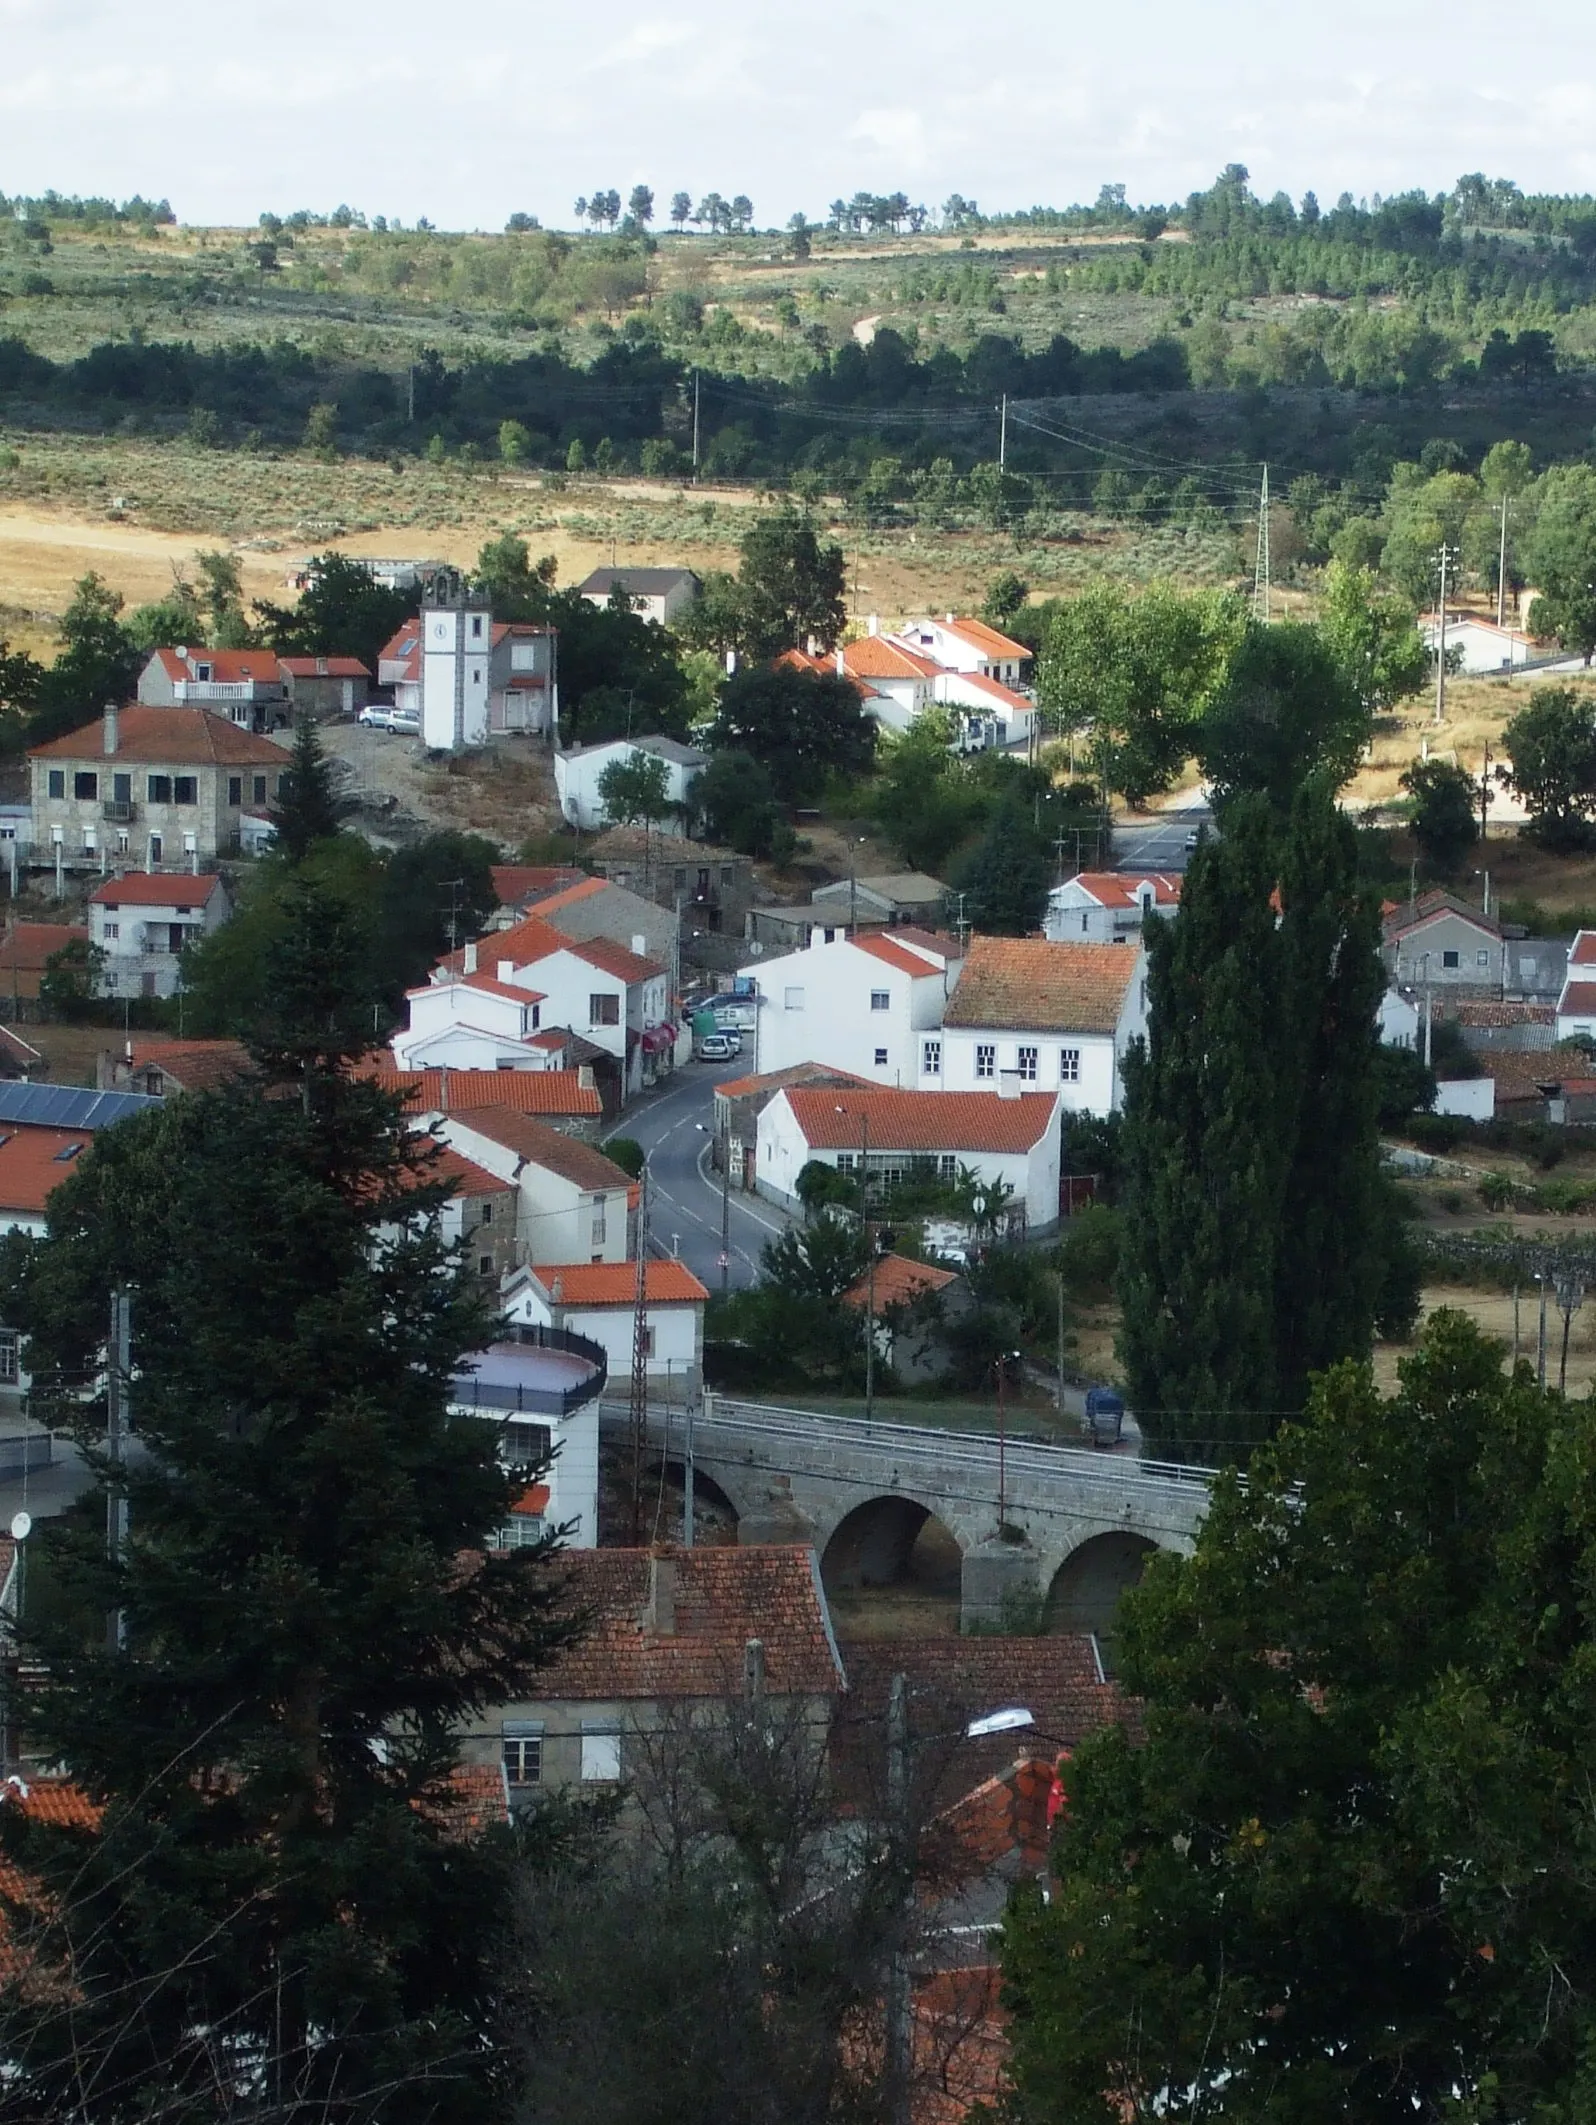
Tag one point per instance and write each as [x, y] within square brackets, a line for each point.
[684, 1194]
[1159, 845]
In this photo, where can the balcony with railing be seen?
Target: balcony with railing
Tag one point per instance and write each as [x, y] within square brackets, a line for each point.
[121, 811]
[543, 1372]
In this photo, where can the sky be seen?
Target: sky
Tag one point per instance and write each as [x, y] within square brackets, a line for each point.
[468, 113]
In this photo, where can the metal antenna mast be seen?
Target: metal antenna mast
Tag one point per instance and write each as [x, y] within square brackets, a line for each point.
[639, 1407]
[1260, 578]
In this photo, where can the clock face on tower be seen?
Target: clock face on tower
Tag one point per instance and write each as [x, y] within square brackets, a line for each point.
[440, 630]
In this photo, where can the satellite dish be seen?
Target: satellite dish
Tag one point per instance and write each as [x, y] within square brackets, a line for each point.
[21, 1526]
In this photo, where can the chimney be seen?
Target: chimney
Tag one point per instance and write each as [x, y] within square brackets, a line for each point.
[507, 971]
[950, 619]
[639, 945]
[443, 1088]
[110, 728]
[1008, 1084]
[874, 623]
[321, 667]
[659, 1613]
[585, 1078]
[471, 956]
[842, 664]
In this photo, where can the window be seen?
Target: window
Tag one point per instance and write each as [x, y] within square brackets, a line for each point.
[185, 789]
[235, 789]
[259, 788]
[476, 626]
[58, 782]
[648, 1342]
[932, 1058]
[203, 673]
[600, 1226]
[880, 999]
[727, 874]
[1069, 1066]
[985, 1060]
[523, 1752]
[155, 852]
[527, 1445]
[1086, 920]
[158, 790]
[793, 999]
[603, 1010]
[601, 1754]
[1451, 959]
[484, 1265]
[947, 1167]
[487, 1215]
[122, 789]
[1025, 1063]
[1482, 959]
[681, 878]
[112, 930]
[8, 1357]
[86, 784]
[282, 786]
[881, 1058]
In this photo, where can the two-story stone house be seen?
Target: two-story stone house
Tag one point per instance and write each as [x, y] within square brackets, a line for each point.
[151, 788]
[143, 925]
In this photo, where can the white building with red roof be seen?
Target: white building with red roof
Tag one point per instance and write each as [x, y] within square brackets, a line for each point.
[1107, 907]
[866, 1004]
[1576, 1006]
[959, 643]
[486, 1003]
[245, 685]
[598, 1300]
[1009, 1140]
[483, 677]
[143, 924]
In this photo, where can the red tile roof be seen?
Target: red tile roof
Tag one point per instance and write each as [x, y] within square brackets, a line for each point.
[229, 667]
[874, 657]
[456, 1091]
[192, 1065]
[1577, 996]
[324, 667]
[462, 1174]
[568, 1156]
[666, 1283]
[1029, 984]
[995, 690]
[722, 1598]
[34, 1162]
[986, 639]
[534, 940]
[138, 889]
[893, 954]
[514, 882]
[776, 1080]
[920, 1121]
[1429, 907]
[29, 946]
[1124, 889]
[1582, 953]
[562, 897]
[166, 737]
[490, 985]
[614, 959]
[898, 1282]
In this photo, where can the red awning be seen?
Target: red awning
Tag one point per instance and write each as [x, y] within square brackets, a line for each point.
[656, 1039]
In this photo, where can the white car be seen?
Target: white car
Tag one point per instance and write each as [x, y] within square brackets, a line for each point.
[718, 1047]
[378, 716]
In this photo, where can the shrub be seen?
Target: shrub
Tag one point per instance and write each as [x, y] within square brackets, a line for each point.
[1435, 1132]
[1496, 1191]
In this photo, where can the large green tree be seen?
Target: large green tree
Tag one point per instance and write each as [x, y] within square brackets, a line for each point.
[1135, 672]
[635, 786]
[1284, 710]
[343, 611]
[788, 590]
[800, 725]
[276, 1895]
[98, 662]
[309, 807]
[1372, 636]
[1562, 557]
[1551, 745]
[1007, 876]
[1255, 1235]
[1344, 1871]
[1445, 815]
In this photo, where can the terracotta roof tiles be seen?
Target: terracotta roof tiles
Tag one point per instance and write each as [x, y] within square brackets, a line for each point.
[898, 956]
[666, 1283]
[33, 1164]
[899, 1282]
[457, 1091]
[722, 1598]
[571, 1159]
[139, 889]
[166, 737]
[830, 1119]
[1029, 984]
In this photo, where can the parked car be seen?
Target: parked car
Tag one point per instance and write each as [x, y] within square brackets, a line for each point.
[718, 1047]
[406, 722]
[1105, 1415]
[1192, 840]
[377, 715]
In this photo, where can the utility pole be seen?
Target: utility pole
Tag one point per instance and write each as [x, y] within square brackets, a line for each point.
[1501, 569]
[695, 427]
[1444, 559]
[1061, 1341]
[1427, 1011]
[410, 396]
[1260, 574]
[1003, 1439]
[1003, 435]
[725, 1206]
[1540, 1360]
[1485, 801]
[870, 1269]
[688, 1472]
[118, 1364]
[900, 2024]
[639, 1407]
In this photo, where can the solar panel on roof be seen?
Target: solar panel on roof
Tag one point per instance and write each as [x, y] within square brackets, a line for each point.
[68, 1106]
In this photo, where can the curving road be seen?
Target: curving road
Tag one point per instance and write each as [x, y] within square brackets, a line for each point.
[684, 1196]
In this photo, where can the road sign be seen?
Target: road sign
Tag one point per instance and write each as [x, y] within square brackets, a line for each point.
[723, 1261]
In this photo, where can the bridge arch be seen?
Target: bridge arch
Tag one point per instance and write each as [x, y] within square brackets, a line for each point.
[709, 1497]
[875, 1543]
[1085, 1589]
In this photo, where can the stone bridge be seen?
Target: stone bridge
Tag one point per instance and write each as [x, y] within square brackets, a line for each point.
[1074, 1529]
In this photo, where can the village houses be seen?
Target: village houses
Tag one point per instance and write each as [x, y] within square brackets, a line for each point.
[1030, 1015]
[579, 771]
[863, 1004]
[151, 788]
[142, 925]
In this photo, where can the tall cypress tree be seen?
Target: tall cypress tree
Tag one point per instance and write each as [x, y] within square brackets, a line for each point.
[308, 809]
[1255, 1232]
[273, 1912]
[1206, 1160]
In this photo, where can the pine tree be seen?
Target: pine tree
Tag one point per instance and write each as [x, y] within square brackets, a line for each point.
[273, 1910]
[1006, 876]
[1205, 1156]
[308, 809]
